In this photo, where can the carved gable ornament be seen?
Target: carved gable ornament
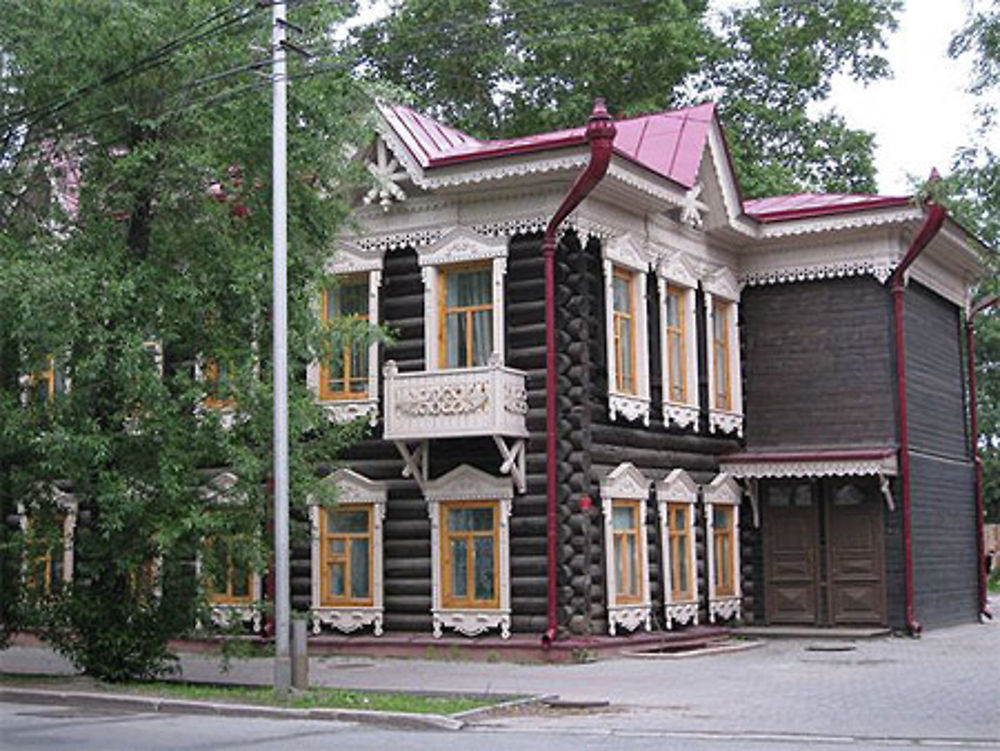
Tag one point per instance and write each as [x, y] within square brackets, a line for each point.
[722, 283]
[349, 258]
[625, 250]
[677, 487]
[459, 245]
[723, 490]
[625, 482]
[678, 269]
[355, 488]
[466, 483]
[387, 174]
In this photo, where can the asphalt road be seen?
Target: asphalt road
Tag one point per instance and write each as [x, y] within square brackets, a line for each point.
[47, 728]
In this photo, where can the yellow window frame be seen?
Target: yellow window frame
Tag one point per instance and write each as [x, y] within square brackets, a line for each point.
[723, 551]
[680, 550]
[326, 366]
[677, 337]
[623, 562]
[449, 600]
[327, 559]
[620, 320]
[468, 311]
[723, 386]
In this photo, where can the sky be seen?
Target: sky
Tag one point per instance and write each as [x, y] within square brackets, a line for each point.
[920, 116]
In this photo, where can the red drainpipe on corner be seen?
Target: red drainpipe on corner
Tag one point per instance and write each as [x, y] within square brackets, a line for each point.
[600, 136]
[970, 350]
[932, 223]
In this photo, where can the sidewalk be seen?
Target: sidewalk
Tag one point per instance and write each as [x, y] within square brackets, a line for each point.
[943, 686]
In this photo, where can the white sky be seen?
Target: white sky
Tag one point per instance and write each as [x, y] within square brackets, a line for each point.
[921, 115]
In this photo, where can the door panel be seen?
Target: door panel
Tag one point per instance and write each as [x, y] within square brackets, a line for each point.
[790, 543]
[855, 554]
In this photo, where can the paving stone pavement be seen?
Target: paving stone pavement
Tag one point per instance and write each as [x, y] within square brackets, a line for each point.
[945, 685]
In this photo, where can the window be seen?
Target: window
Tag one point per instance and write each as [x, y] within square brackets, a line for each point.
[470, 560]
[676, 371]
[346, 556]
[626, 551]
[346, 565]
[228, 575]
[624, 493]
[723, 550]
[681, 565]
[626, 264]
[218, 380]
[345, 374]
[45, 384]
[722, 378]
[469, 512]
[49, 544]
[623, 296]
[466, 315]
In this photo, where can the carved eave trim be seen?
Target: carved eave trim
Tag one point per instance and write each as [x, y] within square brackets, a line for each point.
[723, 490]
[460, 244]
[466, 483]
[625, 482]
[351, 258]
[880, 268]
[727, 183]
[677, 487]
[810, 467]
[840, 222]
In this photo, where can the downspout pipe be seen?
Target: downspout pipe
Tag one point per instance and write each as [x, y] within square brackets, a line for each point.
[600, 135]
[932, 224]
[970, 349]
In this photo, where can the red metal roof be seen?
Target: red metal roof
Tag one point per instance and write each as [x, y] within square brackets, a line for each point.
[806, 205]
[669, 144]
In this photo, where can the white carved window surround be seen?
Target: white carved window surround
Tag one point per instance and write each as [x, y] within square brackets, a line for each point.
[725, 392]
[624, 494]
[722, 506]
[44, 565]
[456, 259]
[350, 265]
[346, 557]
[626, 264]
[239, 595]
[676, 497]
[677, 284]
[458, 600]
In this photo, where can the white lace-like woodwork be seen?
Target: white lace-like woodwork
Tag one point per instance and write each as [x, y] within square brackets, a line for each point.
[625, 482]
[678, 487]
[723, 490]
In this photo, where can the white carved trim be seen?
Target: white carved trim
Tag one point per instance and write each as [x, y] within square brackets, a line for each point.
[354, 489]
[627, 253]
[351, 258]
[461, 245]
[678, 269]
[466, 483]
[678, 273]
[723, 490]
[226, 615]
[626, 483]
[798, 272]
[720, 420]
[678, 487]
[722, 283]
[855, 220]
[885, 465]
[348, 410]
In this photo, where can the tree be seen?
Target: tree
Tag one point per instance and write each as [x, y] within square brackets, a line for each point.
[973, 193]
[135, 253]
[514, 67]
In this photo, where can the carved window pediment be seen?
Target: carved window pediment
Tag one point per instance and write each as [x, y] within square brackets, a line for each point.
[627, 251]
[355, 488]
[466, 483]
[723, 283]
[625, 481]
[677, 268]
[349, 258]
[677, 486]
[723, 489]
[461, 245]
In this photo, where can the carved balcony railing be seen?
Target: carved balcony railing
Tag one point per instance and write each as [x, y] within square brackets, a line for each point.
[459, 403]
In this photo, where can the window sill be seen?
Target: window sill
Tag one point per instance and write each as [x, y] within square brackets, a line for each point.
[724, 608]
[681, 612]
[630, 617]
[629, 406]
[227, 615]
[722, 421]
[681, 415]
[347, 619]
[472, 622]
[348, 410]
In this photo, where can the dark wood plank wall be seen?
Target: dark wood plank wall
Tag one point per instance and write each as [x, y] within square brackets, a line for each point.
[945, 568]
[818, 366]
[596, 445]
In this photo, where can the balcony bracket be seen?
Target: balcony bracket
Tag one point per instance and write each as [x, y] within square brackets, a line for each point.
[513, 461]
[416, 460]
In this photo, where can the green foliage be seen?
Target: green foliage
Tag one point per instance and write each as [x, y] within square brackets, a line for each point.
[162, 269]
[510, 68]
[972, 193]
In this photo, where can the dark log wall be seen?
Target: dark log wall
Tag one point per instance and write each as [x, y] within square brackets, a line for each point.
[945, 568]
[654, 450]
[817, 363]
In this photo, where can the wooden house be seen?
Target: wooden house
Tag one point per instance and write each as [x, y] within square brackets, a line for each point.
[728, 431]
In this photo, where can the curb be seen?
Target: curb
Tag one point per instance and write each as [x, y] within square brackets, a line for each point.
[129, 702]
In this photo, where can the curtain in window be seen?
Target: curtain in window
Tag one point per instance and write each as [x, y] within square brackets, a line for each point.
[468, 317]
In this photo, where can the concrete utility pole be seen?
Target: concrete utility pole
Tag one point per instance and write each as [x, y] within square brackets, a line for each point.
[282, 598]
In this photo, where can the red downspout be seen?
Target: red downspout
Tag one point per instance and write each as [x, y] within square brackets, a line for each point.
[932, 223]
[600, 136]
[970, 349]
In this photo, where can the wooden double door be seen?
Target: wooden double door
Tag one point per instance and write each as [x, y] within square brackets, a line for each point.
[824, 552]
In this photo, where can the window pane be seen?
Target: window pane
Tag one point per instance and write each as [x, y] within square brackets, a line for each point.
[342, 520]
[673, 310]
[470, 287]
[482, 337]
[360, 570]
[681, 556]
[720, 518]
[455, 338]
[622, 287]
[680, 519]
[359, 367]
[676, 367]
[724, 562]
[350, 298]
[338, 546]
[470, 519]
[459, 567]
[483, 567]
[240, 580]
[337, 579]
[623, 518]
[625, 353]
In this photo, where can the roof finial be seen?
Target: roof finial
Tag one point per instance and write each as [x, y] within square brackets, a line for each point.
[600, 124]
[935, 176]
